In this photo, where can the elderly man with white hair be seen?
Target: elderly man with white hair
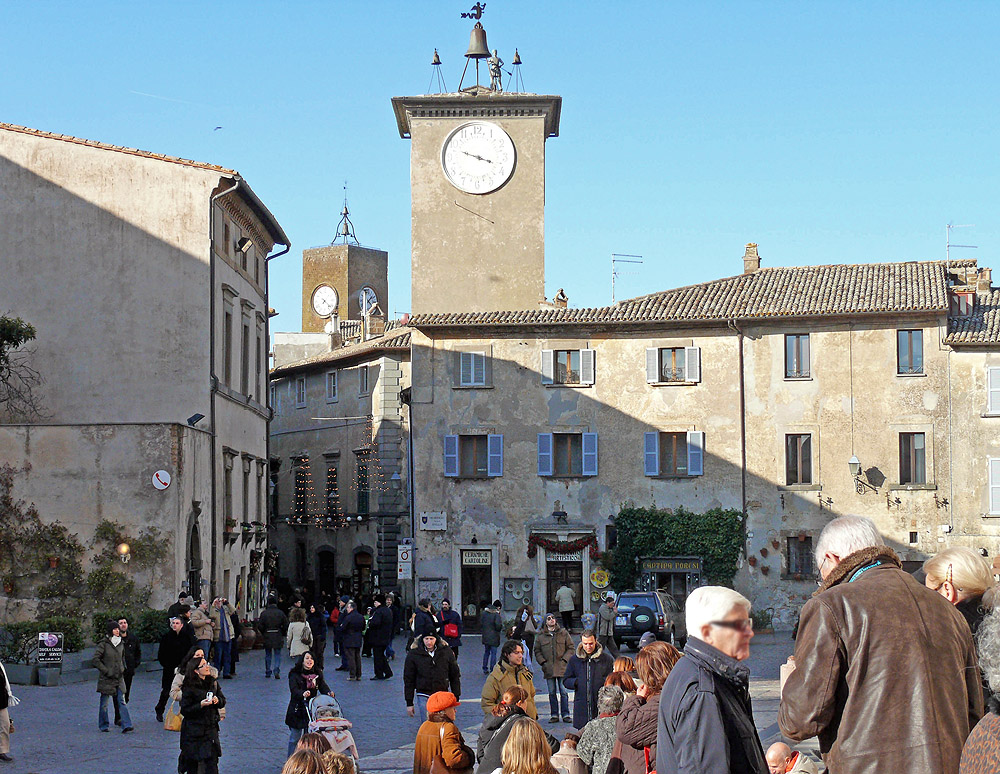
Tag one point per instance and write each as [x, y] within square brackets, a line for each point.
[885, 671]
[705, 721]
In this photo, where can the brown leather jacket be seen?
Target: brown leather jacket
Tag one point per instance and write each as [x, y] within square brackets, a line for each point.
[886, 673]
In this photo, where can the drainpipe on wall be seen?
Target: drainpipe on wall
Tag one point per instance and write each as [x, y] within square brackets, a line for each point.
[743, 435]
[410, 486]
[213, 380]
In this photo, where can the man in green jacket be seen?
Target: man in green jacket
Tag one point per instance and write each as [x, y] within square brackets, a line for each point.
[508, 672]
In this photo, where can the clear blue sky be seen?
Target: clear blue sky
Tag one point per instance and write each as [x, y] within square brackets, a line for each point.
[826, 132]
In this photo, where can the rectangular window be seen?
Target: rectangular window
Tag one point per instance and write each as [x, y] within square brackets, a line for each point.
[798, 459]
[227, 489]
[473, 456]
[567, 366]
[567, 454]
[258, 380]
[331, 386]
[796, 355]
[246, 491]
[226, 242]
[227, 348]
[363, 486]
[993, 390]
[273, 398]
[300, 392]
[960, 304]
[910, 352]
[672, 365]
[800, 556]
[245, 361]
[912, 458]
[472, 369]
[994, 479]
[332, 493]
[363, 380]
[673, 454]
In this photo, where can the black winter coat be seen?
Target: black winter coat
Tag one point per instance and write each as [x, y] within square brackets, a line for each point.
[131, 653]
[380, 627]
[449, 617]
[351, 627]
[317, 624]
[273, 624]
[423, 623]
[423, 674]
[200, 726]
[705, 720]
[492, 627]
[297, 714]
[173, 648]
[585, 675]
[492, 736]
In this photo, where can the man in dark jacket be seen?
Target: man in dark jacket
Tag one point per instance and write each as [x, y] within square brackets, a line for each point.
[174, 645]
[586, 672]
[351, 627]
[423, 620]
[884, 673]
[273, 624]
[449, 624]
[430, 667]
[705, 722]
[492, 625]
[380, 635]
[397, 616]
[132, 657]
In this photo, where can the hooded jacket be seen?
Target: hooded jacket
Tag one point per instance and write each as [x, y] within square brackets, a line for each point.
[425, 674]
[553, 650]
[886, 672]
[504, 676]
[109, 662]
[585, 674]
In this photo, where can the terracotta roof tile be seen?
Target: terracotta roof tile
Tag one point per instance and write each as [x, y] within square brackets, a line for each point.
[980, 327]
[397, 338]
[799, 291]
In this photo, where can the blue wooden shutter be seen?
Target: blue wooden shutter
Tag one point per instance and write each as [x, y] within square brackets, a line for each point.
[545, 454]
[586, 366]
[696, 453]
[451, 456]
[651, 453]
[494, 455]
[548, 367]
[590, 454]
[692, 364]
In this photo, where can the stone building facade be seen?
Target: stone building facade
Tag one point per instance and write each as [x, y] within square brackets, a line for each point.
[752, 392]
[146, 279]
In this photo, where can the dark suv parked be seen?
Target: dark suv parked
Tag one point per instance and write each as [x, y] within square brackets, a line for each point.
[649, 611]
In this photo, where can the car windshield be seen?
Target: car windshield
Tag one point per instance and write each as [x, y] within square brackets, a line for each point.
[632, 601]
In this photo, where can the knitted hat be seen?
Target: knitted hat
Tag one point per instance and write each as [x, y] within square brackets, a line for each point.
[380, 598]
[647, 639]
[112, 625]
[440, 701]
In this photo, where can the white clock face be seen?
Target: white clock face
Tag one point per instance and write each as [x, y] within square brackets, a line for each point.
[478, 157]
[367, 300]
[324, 301]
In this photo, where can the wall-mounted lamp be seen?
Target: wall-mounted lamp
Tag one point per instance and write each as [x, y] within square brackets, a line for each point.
[195, 419]
[475, 540]
[124, 552]
[860, 485]
[244, 245]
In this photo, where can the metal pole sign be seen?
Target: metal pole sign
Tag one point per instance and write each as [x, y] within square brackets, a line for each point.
[404, 562]
[50, 648]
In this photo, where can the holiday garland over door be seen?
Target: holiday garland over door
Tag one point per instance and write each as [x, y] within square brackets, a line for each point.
[563, 547]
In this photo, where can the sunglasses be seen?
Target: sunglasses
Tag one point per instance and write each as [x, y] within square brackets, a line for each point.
[743, 625]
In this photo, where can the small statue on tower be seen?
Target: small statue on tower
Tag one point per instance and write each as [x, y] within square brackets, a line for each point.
[495, 63]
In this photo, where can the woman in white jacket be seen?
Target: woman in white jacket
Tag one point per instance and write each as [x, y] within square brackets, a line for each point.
[299, 638]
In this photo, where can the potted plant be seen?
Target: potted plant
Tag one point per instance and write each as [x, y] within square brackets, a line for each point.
[53, 562]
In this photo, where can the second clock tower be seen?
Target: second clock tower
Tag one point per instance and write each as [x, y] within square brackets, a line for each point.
[477, 182]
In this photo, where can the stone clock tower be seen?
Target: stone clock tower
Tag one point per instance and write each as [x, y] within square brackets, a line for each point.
[477, 182]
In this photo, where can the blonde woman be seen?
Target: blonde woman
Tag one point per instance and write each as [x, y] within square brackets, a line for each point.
[526, 750]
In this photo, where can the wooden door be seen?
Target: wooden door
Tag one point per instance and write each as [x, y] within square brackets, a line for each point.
[560, 573]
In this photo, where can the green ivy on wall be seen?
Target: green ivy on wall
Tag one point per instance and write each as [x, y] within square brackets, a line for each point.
[716, 536]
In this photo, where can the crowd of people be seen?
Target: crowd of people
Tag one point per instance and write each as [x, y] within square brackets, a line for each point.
[891, 671]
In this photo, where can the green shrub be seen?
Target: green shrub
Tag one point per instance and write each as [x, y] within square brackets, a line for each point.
[149, 625]
[71, 628]
[18, 642]
[99, 622]
[763, 618]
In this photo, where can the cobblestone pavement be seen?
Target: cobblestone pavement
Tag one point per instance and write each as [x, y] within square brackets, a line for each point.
[57, 727]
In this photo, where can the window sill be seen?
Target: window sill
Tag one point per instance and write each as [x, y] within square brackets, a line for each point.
[798, 378]
[800, 487]
[333, 400]
[472, 387]
[803, 577]
[571, 386]
[471, 478]
[301, 405]
[673, 477]
[990, 516]
[568, 476]
[912, 487]
[910, 376]
[990, 415]
[672, 384]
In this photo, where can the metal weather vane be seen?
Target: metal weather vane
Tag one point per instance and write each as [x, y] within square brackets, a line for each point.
[476, 12]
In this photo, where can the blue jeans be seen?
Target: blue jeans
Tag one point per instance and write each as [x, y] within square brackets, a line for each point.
[389, 652]
[206, 646]
[489, 657]
[276, 655]
[223, 657]
[294, 734]
[556, 684]
[102, 712]
[420, 708]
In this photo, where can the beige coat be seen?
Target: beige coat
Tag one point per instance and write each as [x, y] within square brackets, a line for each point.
[293, 640]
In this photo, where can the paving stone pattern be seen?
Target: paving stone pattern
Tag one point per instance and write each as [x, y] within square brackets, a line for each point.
[56, 728]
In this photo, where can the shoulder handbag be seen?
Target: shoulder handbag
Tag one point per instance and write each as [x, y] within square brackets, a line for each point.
[438, 766]
[616, 765]
[172, 719]
[306, 637]
[451, 631]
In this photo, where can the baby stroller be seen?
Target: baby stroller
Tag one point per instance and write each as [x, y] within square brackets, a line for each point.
[325, 719]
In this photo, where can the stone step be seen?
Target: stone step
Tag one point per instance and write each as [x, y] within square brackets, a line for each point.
[79, 676]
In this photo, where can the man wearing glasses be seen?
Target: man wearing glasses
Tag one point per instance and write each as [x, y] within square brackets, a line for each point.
[705, 720]
[884, 671]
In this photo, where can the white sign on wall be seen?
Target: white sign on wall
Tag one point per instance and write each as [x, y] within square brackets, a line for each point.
[479, 558]
[434, 520]
[552, 556]
[161, 479]
[404, 562]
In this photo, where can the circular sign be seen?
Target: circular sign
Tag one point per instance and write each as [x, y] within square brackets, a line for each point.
[161, 479]
[600, 579]
[51, 639]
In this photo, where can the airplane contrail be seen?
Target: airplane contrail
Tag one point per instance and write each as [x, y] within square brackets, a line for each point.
[170, 99]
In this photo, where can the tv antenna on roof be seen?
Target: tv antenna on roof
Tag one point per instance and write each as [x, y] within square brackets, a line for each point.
[947, 240]
[620, 258]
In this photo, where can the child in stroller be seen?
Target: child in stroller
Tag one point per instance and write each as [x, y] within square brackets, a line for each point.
[325, 719]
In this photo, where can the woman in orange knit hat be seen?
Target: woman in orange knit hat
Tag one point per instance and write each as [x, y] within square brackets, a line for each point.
[439, 737]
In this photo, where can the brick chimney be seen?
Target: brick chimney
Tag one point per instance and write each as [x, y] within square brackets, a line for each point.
[984, 281]
[751, 261]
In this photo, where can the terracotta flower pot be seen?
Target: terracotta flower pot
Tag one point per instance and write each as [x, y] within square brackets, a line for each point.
[765, 570]
[763, 551]
[53, 562]
[752, 561]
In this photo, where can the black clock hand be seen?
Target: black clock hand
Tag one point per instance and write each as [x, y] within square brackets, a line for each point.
[480, 158]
